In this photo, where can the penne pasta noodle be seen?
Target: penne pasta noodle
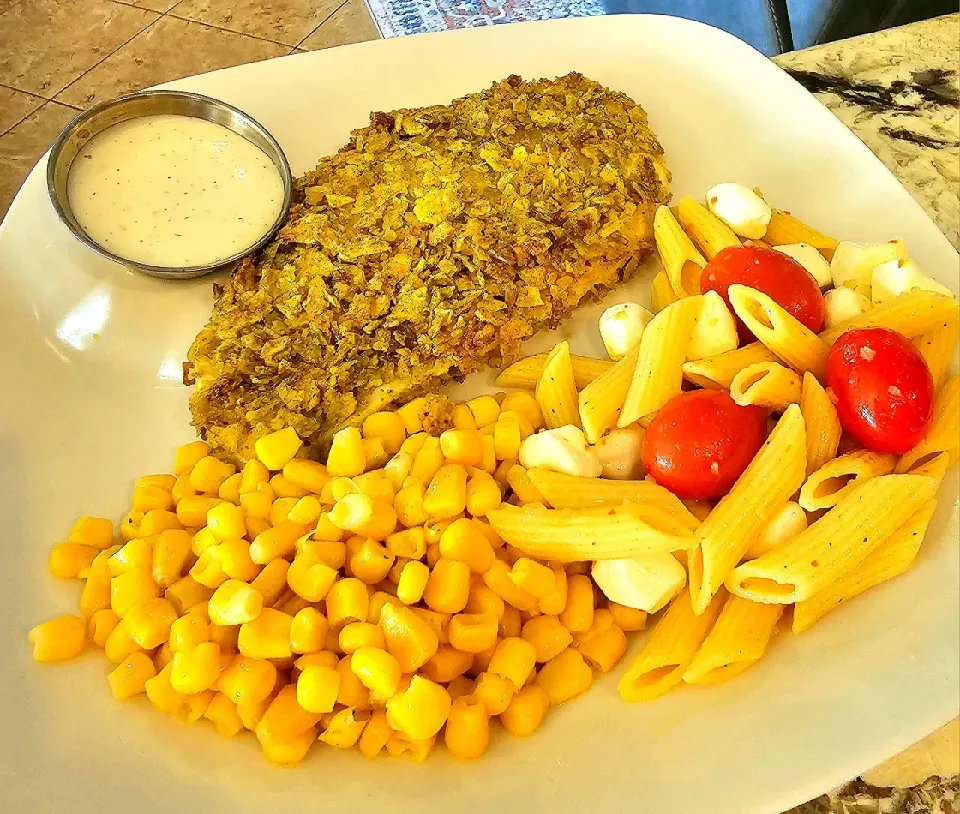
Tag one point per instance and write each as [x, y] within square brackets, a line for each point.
[556, 389]
[680, 258]
[935, 467]
[717, 372]
[661, 292]
[823, 423]
[564, 491]
[668, 651]
[658, 375]
[706, 230]
[838, 477]
[937, 348]
[770, 480]
[888, 560]
[601, 400]
[736, 642]
[577, 535]
[912, 314]
[525, 373]
[780, 331]
[766, 384]
[784, 228]
[944, 432]
[832, 546]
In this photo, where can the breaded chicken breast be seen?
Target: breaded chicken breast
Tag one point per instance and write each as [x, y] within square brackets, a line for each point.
[434, 243]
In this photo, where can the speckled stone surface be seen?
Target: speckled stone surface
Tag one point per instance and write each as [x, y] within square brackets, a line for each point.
[899, 91]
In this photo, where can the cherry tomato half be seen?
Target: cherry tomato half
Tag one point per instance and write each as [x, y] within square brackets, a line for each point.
[882, 388]
[700, 443]
[779, 276]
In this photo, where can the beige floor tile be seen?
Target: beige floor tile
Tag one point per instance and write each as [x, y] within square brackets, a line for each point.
[170, 49]
[46, 44]
[286, 21]
[151, 5]
[351, 23]
[24, 144]
[14, 105]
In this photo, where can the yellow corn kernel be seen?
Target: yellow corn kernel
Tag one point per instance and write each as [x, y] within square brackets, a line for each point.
[137, 553]
[162, 657]
[494, 692]
[208, 474]
[409, 503]
[185, 593]
[377, 601]
[497, 579]
[565, 676]
[510, 622]
[534, 577]
[412, 582]
[462, 446]
[462, 418]
[308, 475]
[258, 502]
[277, 449]
[248, 680]
[101, 625]
[230, 489]
[250, 714]
[308, 631]
[507, 436]
[164, 481]
[118, 644]
[234, 603]
[338, 488]
[409, 638]
[628, 619]
[331, 552]
[193, 706]
[267, 636]
[433, 554]
[375, 734]
[464, 541]
[577, 616]
[446, 496]
[344, 729]
[161, 693]
[526, 710]
[483, 600]
[271, 581]
[375, 453]
[446, 664]
[148, 622]
[409, 544]
[603, 649]
[293, 605]
[460, 686]
[378, 671]
[187, 456]
[234, 559]
[130, 589]
[225, 521]
[182, 488]
[488, 463]
[420, 710]
[355, 635]
[169, 555]
[310, 577]
[555, 600]
[129, 678]
[524, 404]
[283, 488]
[225, 637]
[92, 531]
[467, 733]
[411, 414]
[157, 521]
[351, 692]
[371, 562]
[281, 508]
[485, 410]
[523, 488]
[207, 570]
[148, 497]
[548, 636]
[502, 472]
[188, 631]
[346, 456]
[306, 511]
[276, 542]
[377, 485]
[130, 525]
[481, 660]
[202, 540]
[427, 461]
[254, 473]
[513, 659]
[438, 622]
[192, 511]
[317, 688]
[483, 493]
[473, 632]
[67, 559]
[222, 713]
[285, 719]
[448, 586]
[414, 444]
[290, 752]
[398, 468]
[347, 601]
[195, 670]
[58, 640]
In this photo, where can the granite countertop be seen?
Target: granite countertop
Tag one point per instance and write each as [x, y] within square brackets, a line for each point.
[899, 91]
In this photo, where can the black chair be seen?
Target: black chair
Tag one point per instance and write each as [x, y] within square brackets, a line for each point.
[775, 26]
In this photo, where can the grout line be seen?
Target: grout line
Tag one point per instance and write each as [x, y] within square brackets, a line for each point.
[314, 31]
[229, 30]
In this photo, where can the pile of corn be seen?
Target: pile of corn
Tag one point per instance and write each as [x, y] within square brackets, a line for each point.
[365, 602]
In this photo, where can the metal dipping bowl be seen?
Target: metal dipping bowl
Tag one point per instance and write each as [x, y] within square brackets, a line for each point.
[149, 103]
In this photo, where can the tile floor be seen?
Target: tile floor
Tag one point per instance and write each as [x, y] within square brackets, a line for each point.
[58, 57]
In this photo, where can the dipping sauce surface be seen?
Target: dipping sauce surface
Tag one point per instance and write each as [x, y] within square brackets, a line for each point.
[172, 190]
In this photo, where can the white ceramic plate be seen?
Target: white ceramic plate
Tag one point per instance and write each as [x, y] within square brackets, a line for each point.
[91, 397]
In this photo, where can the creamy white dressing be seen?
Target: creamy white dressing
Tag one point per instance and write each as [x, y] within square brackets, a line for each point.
[171, 190]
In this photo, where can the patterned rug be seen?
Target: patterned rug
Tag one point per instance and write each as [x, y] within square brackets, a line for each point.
[395, 18]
